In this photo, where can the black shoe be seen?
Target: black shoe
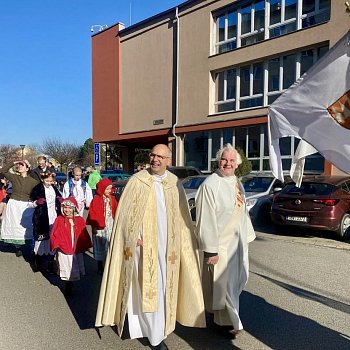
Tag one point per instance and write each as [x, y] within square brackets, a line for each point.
[68, 289]
[19, 252]
[51, 267]
[99, 267]
[160, 346]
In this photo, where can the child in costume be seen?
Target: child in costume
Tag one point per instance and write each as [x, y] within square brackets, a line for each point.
[70, 239]
[101, 215]
[47, 202]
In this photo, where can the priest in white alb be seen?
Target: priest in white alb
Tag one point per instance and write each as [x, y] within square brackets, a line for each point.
[224, 230]
[152, 268]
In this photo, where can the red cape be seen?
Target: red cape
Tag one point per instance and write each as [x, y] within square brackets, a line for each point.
[61, 238]
[96, 212]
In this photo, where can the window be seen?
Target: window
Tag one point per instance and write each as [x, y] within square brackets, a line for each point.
[226, 91]
[315, 11]
[251, 86]
[196, 149]
[251, 79]
[263, 19]
[252, 23]
[226, 32]
[201, 148]
[283, 17]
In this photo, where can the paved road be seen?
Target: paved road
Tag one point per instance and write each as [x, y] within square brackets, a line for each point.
[297, 298]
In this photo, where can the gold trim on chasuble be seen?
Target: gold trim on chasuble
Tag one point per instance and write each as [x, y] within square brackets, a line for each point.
[150, 254]
[172, 256]
[132, 213]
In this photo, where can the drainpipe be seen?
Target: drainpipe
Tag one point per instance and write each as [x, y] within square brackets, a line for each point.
[177, 85]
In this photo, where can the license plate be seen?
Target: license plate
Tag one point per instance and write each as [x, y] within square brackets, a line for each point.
[296, 218]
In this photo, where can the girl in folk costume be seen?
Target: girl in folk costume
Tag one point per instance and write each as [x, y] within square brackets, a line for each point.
[101, 217]
[70, 239]
[47, 201]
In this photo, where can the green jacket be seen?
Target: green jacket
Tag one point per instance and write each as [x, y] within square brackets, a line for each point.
[94, 178]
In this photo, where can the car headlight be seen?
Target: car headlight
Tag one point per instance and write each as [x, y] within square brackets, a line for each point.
[251, 202]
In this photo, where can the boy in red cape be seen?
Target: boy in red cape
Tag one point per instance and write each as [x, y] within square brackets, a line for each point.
[101, 217]
[70, 239]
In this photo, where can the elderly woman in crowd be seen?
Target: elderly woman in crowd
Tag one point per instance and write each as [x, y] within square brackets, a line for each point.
[17, 227]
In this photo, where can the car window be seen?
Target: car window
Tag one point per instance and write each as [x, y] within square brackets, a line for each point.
[318, 189]
[257, 184]
[191, 172]
[346, 186]
[193, 183]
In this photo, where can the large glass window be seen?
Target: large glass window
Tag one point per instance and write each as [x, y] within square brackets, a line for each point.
[196, 150]
[282, 72]
[201, 148]
[263, 19]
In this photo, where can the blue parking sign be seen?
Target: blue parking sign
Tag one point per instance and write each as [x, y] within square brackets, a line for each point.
[97, 153]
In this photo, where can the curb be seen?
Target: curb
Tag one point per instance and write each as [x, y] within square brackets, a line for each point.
[320, 242]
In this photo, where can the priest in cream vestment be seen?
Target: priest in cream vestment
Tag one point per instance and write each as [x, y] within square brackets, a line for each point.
[224, 230]
[152, 268]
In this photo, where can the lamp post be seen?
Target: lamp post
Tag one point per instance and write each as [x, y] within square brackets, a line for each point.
[22, 148]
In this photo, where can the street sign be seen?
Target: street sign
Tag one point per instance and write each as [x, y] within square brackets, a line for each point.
[97, 157]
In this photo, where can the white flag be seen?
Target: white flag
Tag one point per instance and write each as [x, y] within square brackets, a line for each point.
[316, 109]
[297, 168]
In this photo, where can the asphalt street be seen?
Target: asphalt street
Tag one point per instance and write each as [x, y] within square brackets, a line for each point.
[297, 297]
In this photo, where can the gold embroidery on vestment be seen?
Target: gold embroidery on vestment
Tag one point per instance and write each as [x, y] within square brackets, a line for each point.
[172, 257]
[127, 253]
[150, 294]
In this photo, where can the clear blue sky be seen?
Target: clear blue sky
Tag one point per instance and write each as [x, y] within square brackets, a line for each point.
[45, 64]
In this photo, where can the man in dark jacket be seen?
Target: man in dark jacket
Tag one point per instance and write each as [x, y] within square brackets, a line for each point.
[41, 168]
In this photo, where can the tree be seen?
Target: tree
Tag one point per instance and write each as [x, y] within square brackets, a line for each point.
[9, 153]
[141, 156]
[87, 153]
[246, 167]
[63, 152]
[243, 169]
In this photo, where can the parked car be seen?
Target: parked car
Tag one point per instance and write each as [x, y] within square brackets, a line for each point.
[115, 176]
[259, 189]
[119, 188]
[184, 171]
[321, 203]
[191, 185]
[61, 179]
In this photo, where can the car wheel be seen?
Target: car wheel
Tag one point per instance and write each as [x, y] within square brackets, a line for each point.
[191, 203]
[344, 227]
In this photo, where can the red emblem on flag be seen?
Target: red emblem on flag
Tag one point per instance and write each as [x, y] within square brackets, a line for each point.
[340, 110]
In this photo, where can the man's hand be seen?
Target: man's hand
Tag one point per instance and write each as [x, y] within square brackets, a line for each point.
[139, 242]
[213, 260]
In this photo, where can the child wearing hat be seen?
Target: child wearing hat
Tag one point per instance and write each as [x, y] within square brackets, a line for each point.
[70, 239]
[101, 216]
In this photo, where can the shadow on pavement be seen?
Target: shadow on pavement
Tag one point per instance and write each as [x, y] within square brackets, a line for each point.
[303, 293]
[282, 330]
[85, 293]
[204, 338]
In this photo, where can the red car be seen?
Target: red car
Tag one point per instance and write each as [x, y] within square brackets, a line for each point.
[321, 203]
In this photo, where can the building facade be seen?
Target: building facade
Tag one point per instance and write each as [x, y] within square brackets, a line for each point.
[203, 74]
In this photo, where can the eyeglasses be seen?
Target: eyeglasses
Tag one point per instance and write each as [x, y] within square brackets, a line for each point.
[153, 155]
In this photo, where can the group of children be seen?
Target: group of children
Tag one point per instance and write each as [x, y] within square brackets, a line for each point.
[60, 231]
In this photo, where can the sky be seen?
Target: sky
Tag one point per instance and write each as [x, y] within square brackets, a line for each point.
[45, 64]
